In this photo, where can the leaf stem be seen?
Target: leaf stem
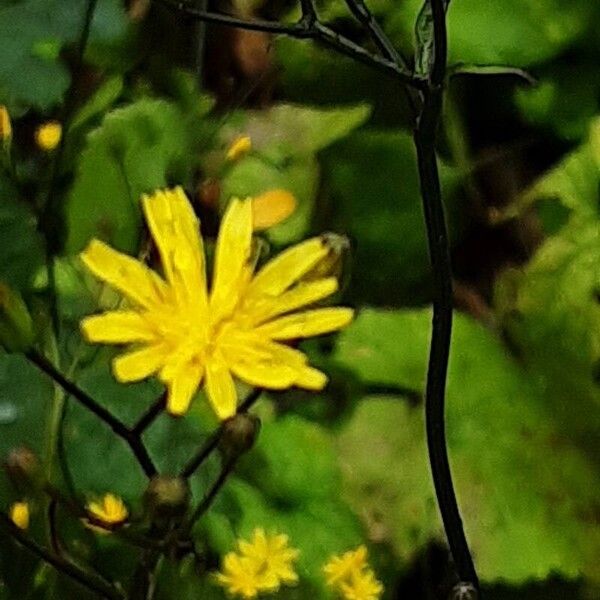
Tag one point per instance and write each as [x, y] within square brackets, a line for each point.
[132, 439]
[307, 28]
[92, 582]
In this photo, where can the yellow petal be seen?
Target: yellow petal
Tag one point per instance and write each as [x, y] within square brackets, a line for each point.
[232, 255]
[307, 324]
[220, 389]
[117, 327]
[139, 364]
[182, 389]
[176, 232]
[311, 379]
[287, 268]
[239, 148]
[268, 375]
[299, 296]
[271, 208]
[126, 274]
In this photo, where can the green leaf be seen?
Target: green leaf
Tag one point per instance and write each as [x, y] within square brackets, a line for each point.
[285, 139]
[373, 194]
[550, 310]
[32, 32]
[513, 32]
[520, 514]
[136, 150]
[103, 99]
[287, 130]
[22, 251]
[544, 105]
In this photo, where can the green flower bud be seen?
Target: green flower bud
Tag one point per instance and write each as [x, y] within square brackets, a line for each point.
[167, 497]
[239, 434]
[23, 468]
[16, 326]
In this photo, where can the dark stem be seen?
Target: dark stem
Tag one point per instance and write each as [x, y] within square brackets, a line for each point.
[132, 440]
[150, 415]
[61, 451]
[363, 15]
[425, 137]
[210, 496]
[306, 28]
[213, 440]
[91, 582]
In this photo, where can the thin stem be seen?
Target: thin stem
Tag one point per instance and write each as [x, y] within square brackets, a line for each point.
[213, 440]
[210, 496]
[425, 137]
[304, 29]
[92, 582]
[134, 442]
[364, 16]
[150, 415]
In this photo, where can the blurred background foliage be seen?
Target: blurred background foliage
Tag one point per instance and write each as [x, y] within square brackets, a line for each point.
[521, 180]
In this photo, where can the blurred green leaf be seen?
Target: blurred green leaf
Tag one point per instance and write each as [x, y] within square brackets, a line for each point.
[32, 32]
[22, 251]
[520, 513]
[102, 100]
[373, 196]
[517, 33]
[285, 139]
[551, 311]
[135, 150]
[564, 101]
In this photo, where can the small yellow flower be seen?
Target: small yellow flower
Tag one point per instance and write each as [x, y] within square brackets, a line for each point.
[339, 568]
[47, 135]
[239, 148]
[5, 125]
[271, 208]
[362, 586]
[240, 577]
[262, 565]
[188, 335]
[19, 514]
[351, 576]
[109, 510]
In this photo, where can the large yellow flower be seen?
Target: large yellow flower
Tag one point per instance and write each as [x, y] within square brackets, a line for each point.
[187, 335]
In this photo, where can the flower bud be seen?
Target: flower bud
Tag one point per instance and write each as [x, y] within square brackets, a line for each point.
[167, 497]
[19, 514]
[23, 468]
[5, 126]
[16, 326]
[239, 434]
[338, 248]
[47, 135]
[271, 208]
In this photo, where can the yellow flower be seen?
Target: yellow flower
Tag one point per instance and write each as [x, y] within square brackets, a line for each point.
[188, 335]
[47, 135]
[351, 576]
[239, 148]
[341, 567]
[362, 586]
[271, 208]
[262, 565]
[19, 514]
[5, 125]
[109, 510]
